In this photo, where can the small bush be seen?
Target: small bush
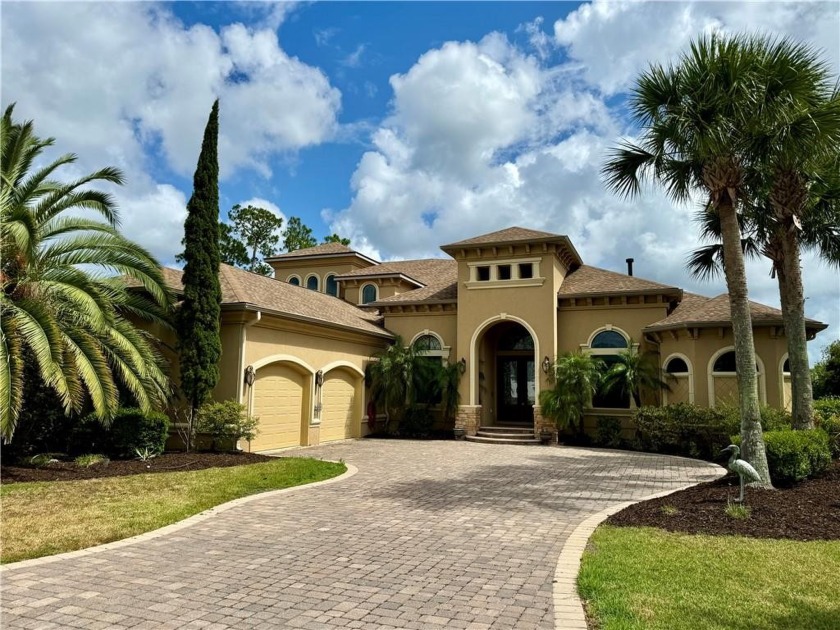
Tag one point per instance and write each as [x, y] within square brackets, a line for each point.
[417, 422]
[225, 423]
[773, 419]
[43, 459]
[827, 415]
[684, 429]
[608, 431]
[89, 436]
[91, 459]
[796, 455]
[131, 430]
[738, 511]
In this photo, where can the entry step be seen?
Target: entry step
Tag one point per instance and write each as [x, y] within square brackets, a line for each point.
[519, 439]
[508, 429]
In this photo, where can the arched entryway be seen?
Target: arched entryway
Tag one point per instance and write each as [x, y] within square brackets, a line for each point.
[507, 377]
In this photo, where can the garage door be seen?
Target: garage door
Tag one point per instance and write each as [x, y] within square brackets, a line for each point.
[278, 401]
[338, 398]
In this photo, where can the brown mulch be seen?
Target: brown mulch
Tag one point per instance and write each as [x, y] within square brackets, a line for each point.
[809, 510]
[168, 462]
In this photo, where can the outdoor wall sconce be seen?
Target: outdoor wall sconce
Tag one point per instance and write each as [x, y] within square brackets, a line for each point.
[319, 378]
[250, 375]
[546, 365]
[462, 365]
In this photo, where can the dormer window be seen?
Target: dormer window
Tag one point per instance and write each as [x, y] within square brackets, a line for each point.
[503, 272]
[526, 270]
[482, 273]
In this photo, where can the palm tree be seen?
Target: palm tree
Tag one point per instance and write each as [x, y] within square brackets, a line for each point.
[448, 380]
[575, 378]
[395, 377]
[819, 231]
[61, 301]
[692, 117]
[631, 373]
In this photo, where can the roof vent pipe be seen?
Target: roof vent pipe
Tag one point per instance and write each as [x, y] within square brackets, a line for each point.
[629, 262]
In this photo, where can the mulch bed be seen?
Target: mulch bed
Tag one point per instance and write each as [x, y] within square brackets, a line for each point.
[168, 462]
[809, 510]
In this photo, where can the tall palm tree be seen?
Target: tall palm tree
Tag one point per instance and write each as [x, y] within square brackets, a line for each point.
[819, 231]
[575, 378]
[632, 373]
[692, 118]
[64, 298]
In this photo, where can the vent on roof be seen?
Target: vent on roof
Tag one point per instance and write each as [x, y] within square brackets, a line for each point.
[629, 262]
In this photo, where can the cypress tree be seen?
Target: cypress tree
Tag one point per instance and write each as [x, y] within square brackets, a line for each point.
[199, 342]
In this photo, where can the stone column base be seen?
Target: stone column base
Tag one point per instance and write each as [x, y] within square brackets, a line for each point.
[541, 423]
[468, 418]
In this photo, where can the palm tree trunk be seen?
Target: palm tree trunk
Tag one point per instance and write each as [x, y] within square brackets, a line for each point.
[752, 440]
[793, 315]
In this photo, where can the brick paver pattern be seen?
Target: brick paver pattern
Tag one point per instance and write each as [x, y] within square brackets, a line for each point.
[427, 534]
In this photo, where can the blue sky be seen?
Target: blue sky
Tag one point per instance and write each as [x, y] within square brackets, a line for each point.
[400, 125]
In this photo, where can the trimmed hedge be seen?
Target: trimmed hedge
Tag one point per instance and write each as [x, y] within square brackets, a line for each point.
[796, 455]
[133, 431]
[130, 430]
[684, 429]
[827, 415]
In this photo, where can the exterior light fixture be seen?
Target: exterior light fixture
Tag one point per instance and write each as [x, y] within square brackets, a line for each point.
[546, 365]
[250, 375]
[462, 365]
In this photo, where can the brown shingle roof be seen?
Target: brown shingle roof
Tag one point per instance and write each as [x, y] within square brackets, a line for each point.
[696, 310]
[243, 287]
[325, 249]
[586, 280]
[424, 271]
[508, 235]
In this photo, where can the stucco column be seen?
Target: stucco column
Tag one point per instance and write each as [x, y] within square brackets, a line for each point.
[468, 418]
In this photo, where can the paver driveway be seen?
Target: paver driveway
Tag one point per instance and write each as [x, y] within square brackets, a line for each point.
[448, 534]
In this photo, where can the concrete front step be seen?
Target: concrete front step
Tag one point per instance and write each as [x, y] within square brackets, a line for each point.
[506, 434]
[499, 440]
[508, 429]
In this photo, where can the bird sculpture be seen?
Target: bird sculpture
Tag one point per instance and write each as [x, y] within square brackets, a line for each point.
[740, 467]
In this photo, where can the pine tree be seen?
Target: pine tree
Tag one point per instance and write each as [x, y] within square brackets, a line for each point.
[200, 345]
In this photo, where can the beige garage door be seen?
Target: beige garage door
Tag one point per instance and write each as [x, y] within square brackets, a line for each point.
[278, 401]
[339, 406]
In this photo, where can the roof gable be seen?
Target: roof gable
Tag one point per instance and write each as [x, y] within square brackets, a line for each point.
[508, 235]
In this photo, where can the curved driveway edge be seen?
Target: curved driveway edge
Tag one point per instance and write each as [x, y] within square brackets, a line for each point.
[426, 534]
[569, 613]
[174, 527]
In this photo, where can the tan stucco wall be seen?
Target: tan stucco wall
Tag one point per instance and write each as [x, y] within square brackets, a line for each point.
[480, 308]
[409, 325]
[320, 267]
[770, 346]
[576, 325]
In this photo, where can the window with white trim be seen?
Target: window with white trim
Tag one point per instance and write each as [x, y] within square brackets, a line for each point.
[312, 282]
[294, 280]
[330, 285]
[369, 293]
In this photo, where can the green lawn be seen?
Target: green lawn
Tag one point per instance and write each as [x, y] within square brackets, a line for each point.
[45, 518]
[648, 578]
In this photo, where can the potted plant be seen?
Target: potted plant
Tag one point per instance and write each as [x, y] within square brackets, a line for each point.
[459, 432]
[546, 435]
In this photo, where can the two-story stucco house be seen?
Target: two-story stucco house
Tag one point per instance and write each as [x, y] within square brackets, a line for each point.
[504, 304]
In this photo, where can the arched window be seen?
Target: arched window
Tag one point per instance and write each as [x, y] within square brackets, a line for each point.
[369, 293]
[607, 345]
[331, 286]
[680, 380]
[608, 339]
[723, 378]
[424, 343]
[294, 280]
[312, 282]
[785, 385]
[786, 367]
[676, 366]
[517, 338]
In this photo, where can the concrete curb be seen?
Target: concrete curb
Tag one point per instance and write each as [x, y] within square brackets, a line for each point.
[568, 607]
[174, 527]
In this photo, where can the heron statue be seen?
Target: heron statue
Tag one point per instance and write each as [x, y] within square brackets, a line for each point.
[740, 467]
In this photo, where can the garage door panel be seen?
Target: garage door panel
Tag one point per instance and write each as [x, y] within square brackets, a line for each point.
[278, 402]
[338, 399]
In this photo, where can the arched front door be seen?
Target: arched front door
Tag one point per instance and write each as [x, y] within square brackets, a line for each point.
[515, 375]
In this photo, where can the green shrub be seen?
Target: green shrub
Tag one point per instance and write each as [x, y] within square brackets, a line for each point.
[91, 459]
[225, 423]
[131, 430]
[773, 419]
[416, 422]
[796, 455]
[684, 429]
[89, 436]
[608, 431]
[43, 459]
[827, 416]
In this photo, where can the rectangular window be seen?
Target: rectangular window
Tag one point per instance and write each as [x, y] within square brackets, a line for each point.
[482, 273]
[504, 272]
[526, 270]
